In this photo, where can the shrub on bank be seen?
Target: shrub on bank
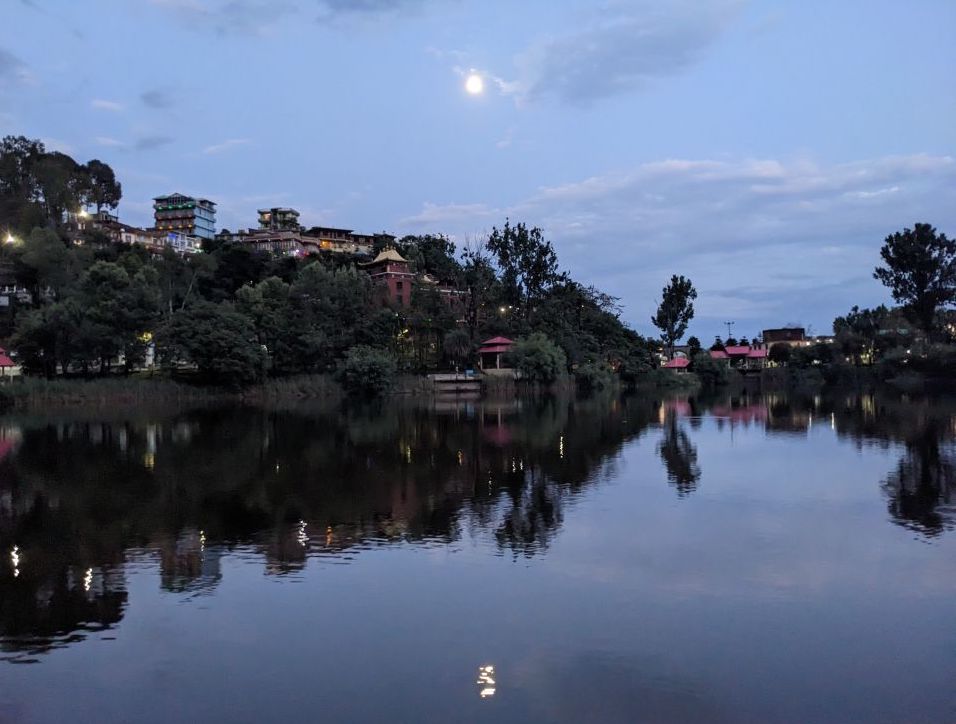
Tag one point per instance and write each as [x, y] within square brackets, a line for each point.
[537, 358]
[593, 376]
[710, 372]
[367, 371]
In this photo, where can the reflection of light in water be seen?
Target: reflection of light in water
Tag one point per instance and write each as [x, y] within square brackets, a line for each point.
[202, 541]
[15, 560]
[561, 447]
[149, 460]
[486, 678]
[328, 535]
[301, 535]
[88, 579]
[833, 421]
[461, 457]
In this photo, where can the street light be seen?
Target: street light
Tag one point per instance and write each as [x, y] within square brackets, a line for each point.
[9, 239]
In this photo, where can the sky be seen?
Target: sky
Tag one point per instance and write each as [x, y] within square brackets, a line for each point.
[762, 148]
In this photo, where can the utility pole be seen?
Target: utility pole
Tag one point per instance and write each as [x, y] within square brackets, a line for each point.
[729, 325]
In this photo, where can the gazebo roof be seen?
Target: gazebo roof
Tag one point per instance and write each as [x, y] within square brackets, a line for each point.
[5, 361]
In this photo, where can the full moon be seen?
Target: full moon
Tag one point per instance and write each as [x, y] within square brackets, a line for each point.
[474, 84]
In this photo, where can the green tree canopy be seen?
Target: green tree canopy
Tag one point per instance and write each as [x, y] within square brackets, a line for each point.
[675, 310]
[919, 267]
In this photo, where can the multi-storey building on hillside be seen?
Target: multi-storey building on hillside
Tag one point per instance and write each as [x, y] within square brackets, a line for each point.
[185, 215]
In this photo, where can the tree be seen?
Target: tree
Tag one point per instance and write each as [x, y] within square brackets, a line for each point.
[920, 271]
[537, 358]
[528, 265]
[216, 338]
[718, 345]
[48, 264]
[675, 311]
[457, 346]
[367, 371]
[779, 354]
[104, 189]
[694, 344]
[482, 287]
[710, 371]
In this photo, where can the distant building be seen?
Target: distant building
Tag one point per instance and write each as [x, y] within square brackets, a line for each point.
[279, 219]
[185, 214]
[794, 336]
[392, 272]
[742, 357]
[678, 365]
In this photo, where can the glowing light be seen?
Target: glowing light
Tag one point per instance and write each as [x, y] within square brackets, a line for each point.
[475, 84]
[302, 537]
[15, 560]
[83, 214]
[88, 579]
[561, 447]
[9, 238]
[486, 679]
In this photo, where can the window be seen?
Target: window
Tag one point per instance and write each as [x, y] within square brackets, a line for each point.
[399, 286]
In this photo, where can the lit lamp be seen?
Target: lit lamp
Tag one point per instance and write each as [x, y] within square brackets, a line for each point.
[9, 238]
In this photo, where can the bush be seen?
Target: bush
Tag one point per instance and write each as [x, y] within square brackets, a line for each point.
[367, 371]
[710, 372]
[218, 340]
[537, 358]
[593, 376]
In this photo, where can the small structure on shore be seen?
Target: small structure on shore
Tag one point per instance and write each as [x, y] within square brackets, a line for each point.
[490, 355]
[678, 365]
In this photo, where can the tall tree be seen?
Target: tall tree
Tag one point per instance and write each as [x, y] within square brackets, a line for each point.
[528, 264]
[675, 311]
[104, 189]
[920, 270]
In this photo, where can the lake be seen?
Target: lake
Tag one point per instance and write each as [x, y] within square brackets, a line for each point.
[742, 557]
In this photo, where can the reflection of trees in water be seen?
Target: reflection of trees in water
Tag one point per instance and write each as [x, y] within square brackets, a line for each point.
[920, 490]
[680, 457]
[288, 484]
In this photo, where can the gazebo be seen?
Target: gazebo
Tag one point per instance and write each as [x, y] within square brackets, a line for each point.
[490, 352]
[5, 362]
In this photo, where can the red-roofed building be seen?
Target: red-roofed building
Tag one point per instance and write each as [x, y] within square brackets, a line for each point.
[742, 357]
[490, 354]
[678, 364]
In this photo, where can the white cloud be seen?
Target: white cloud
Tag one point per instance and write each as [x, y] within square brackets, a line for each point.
[623, 46]
[104, 105]
[107, 141]
[226, 145]
[758, 236]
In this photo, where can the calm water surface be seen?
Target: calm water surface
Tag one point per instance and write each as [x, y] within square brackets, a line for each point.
[745, 558]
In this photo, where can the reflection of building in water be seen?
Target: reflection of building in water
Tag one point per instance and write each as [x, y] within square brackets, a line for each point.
[187, 564]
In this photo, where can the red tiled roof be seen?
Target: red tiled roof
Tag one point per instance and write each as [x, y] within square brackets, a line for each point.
[718, 354]
[737, 351]
[678, 363]
[6, 361]
[757, 353]
[495, 344]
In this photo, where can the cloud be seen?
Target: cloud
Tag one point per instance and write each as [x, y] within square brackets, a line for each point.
[625, 46]
[225, 145]
[232, 17]
[143, 143]
[156, 98]
[12, 69]
[368, 7]
[763, 239]
[148, 143]
[104, 105]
